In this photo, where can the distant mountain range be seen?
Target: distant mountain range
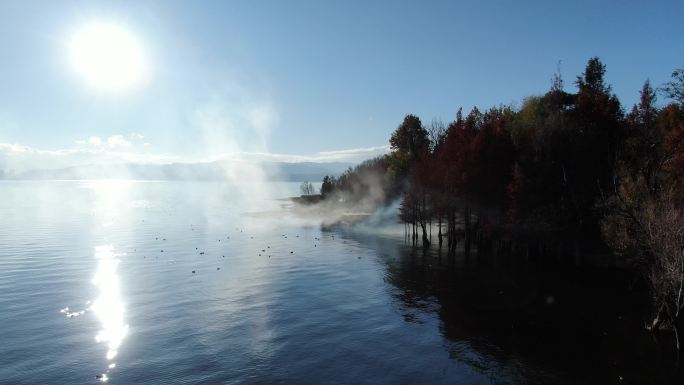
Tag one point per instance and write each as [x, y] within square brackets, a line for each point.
[273, 171]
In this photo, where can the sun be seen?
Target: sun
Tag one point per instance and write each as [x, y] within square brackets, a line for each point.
[108, 57]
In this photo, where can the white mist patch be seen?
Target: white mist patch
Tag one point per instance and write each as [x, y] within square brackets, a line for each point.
[385, 220]
[234, 123]
[364, 201]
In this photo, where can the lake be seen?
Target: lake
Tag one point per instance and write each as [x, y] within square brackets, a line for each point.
[143, 282]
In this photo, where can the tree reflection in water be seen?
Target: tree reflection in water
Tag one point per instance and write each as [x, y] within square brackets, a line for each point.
[519, 324]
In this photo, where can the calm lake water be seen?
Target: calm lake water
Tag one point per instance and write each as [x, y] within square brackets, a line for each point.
[97, 283]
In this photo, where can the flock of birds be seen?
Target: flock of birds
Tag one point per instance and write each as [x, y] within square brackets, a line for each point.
[263, 251]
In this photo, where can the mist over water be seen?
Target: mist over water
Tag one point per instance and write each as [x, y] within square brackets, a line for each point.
[134, 282]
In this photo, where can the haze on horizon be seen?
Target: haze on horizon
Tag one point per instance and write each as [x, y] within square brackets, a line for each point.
[161, 82]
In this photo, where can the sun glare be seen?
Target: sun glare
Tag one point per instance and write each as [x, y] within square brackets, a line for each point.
[108, 57]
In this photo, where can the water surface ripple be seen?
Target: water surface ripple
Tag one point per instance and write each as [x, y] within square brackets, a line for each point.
[270, 300]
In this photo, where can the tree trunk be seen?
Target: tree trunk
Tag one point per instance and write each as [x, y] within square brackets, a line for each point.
[674, 326]
[426, 241]
[439, 231]
[657, 320]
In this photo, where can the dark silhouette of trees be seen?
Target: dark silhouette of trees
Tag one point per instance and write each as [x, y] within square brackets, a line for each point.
[564, 176]
[410, 152]
[327, 186]
[644, 222]
[674, 89]
[306, 188]
[368, 184]
[409, 142]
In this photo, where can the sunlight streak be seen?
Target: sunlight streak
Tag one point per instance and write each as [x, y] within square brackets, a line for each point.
[109, 307]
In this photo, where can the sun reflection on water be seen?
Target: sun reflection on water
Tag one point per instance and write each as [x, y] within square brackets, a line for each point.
[109, 306]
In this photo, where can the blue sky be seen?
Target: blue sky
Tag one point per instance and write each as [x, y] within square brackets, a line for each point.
[302, 80]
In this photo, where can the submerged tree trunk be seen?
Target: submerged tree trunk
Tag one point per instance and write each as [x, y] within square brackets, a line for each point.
[657, 320]
[676, 337]
[452, 232]
[426, 241]
[439, 231]
[467, 231]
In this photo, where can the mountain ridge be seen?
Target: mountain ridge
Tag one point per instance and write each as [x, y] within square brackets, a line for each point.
[209, 171]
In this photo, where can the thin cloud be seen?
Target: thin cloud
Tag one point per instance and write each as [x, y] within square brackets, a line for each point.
[20, 157]
[348, 155]
[355, 152]
[130, 148]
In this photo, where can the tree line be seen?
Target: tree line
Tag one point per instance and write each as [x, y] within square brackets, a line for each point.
[564, 176]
